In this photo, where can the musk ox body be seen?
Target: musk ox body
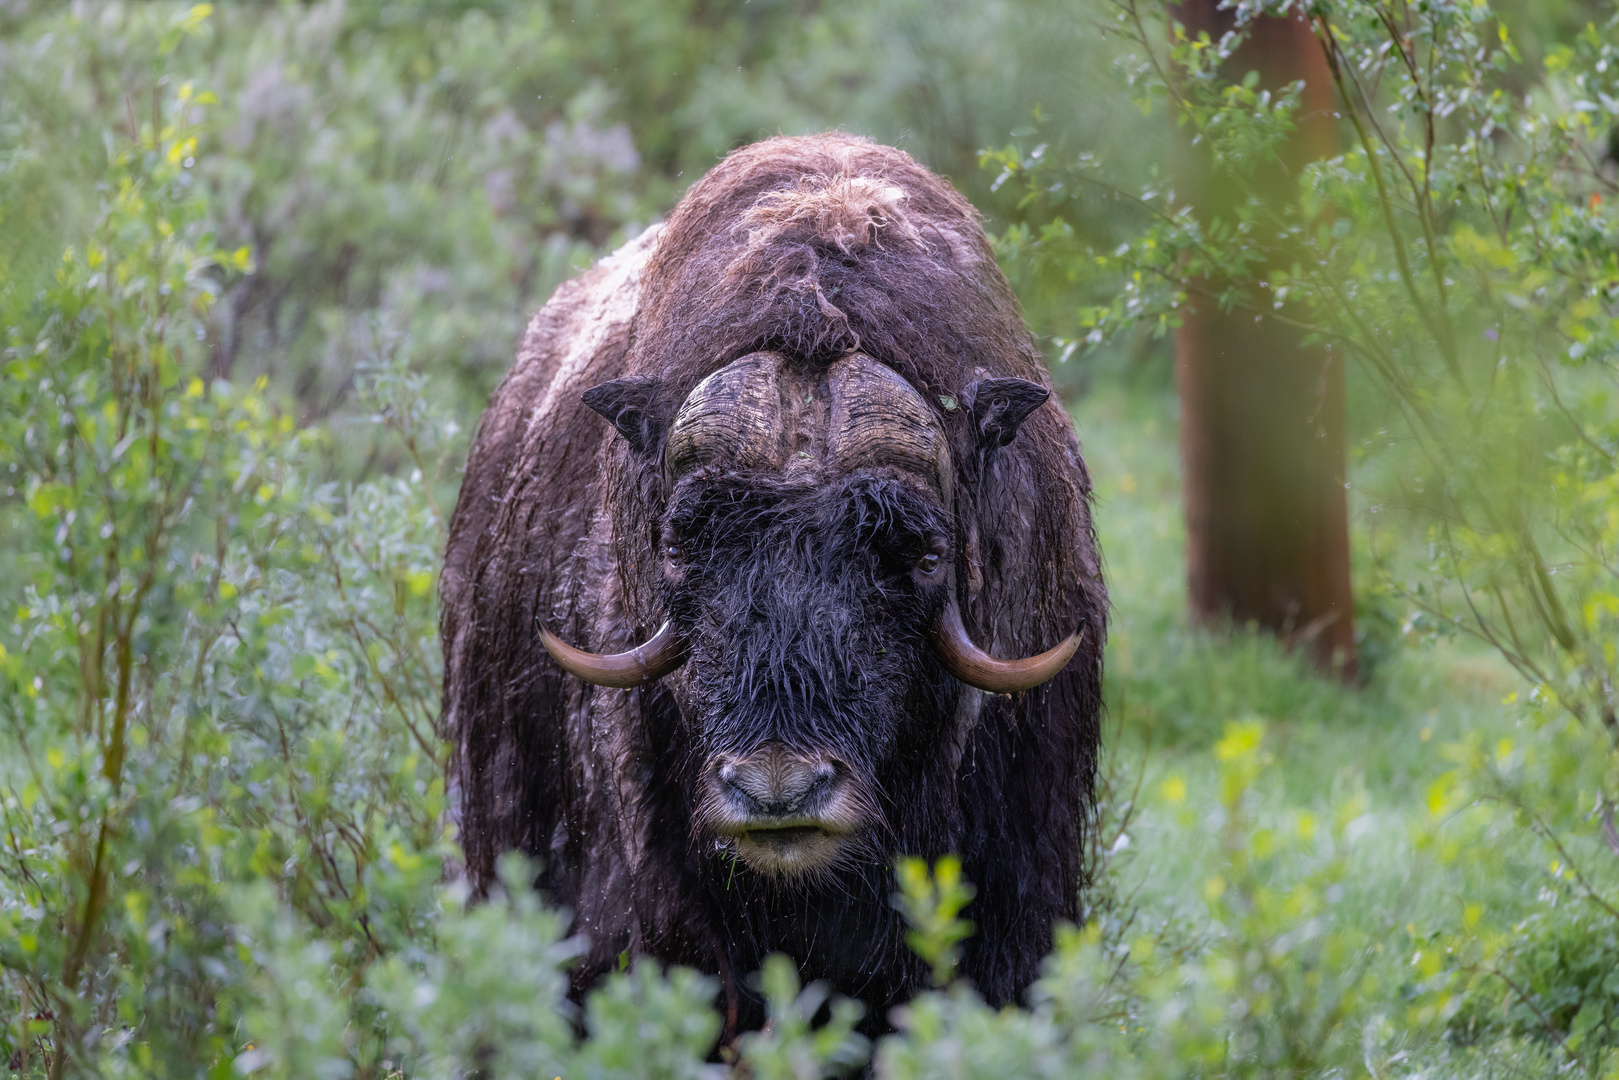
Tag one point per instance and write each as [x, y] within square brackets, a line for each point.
[718, 659]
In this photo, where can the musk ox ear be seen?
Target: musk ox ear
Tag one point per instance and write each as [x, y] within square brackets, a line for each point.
[627, 405]
[998, 408]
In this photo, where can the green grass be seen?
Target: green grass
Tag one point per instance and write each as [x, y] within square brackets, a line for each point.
[1172, 688]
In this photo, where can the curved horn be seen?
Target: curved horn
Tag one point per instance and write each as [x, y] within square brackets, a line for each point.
[975, 667]
[625, 670]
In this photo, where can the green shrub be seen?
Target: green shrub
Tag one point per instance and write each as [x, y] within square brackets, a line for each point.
[1460, 251]
[216, 671]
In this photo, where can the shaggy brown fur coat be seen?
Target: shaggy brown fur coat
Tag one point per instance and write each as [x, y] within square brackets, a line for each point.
[812, 247]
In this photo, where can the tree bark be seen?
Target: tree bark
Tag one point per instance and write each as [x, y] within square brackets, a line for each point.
[1262, 413]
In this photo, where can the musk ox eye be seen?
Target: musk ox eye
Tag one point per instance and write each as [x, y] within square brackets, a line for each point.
[669, 543]
[928, 563]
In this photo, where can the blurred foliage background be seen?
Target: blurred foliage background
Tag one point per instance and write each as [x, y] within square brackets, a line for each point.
[261, 264]
[439, 167]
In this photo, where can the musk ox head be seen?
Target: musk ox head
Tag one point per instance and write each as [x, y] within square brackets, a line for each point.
[806, 556]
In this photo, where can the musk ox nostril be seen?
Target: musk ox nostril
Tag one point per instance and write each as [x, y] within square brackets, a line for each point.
[776, 782]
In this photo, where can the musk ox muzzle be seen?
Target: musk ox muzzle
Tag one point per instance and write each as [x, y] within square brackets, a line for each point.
[782, 811]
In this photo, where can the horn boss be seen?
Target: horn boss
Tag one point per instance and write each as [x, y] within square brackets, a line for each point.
[752, 414]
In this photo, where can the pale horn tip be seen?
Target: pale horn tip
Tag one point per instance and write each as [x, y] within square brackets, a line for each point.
[975, 667]
[626, 670]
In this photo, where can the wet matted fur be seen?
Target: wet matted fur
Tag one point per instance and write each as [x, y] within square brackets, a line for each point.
[812, 248]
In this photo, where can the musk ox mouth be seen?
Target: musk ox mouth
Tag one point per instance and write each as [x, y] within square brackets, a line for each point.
[788, 851]
[784, 835]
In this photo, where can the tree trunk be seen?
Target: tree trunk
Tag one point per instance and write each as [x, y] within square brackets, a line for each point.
[1262, 414]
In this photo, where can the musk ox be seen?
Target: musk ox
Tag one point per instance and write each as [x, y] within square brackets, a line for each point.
[740, 539]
